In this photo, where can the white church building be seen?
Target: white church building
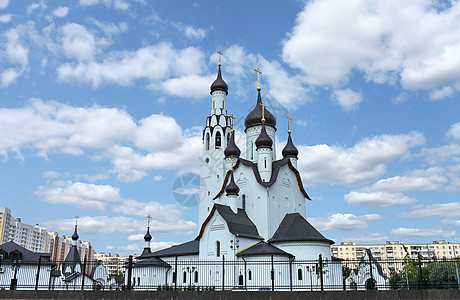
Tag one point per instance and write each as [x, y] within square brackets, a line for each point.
[253, 231]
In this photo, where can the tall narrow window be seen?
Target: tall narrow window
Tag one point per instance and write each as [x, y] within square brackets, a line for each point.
[196, 276]
[265, 162]
[184, 277]
[218, 140]
[252, 150]
[217, 248]
[299, 274]
[174, 277]
[243, 200]
[240, 280]
[207, 141]
[249, 275]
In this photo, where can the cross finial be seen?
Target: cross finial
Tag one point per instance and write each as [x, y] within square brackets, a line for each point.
[263, 112]
[231, 123]
[258, 78]
[289, 123]
[220, 55]
[148, 221]
[76, 220]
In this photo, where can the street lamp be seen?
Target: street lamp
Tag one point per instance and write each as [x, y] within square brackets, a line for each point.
[16, 264]
[190, 270]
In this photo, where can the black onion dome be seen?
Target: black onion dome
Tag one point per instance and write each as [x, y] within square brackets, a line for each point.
[147, 236]
[263, 140]
[232, 149]
[219, 84]
[290, 149]
[232, 188]
[75, 234]
[255, 116]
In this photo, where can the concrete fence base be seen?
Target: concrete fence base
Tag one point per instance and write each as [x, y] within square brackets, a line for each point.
[240, 295]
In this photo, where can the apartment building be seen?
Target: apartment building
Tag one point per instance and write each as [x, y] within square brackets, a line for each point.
[5, 221]
[113, 263]
[33, 238]
[397, 250]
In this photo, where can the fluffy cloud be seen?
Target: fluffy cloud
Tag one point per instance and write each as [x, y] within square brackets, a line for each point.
[383, 40]
[110, 28]
[357, 165]
[4, 3]
[5, 18]
[77, 42]
[16, 54]
[191, 32]
[344, 222]
[61, 11]
[348, 99]
[366, 238]
[117, 4]
[444, 210]
[99, 197]
[112, 225]
[52, 126]
[381, 199]
[421, 233]
[454, 131]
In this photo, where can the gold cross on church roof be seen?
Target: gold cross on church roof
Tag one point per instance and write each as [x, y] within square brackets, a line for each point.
[148, 221]
[76, 220]
[231, 123]
[289, 123]
[258, 78]
[263, 112]
[220, 55]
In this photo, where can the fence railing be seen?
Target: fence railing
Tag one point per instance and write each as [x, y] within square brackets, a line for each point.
[242, 274]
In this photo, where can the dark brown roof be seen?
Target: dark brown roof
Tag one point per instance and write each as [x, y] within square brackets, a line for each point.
[262, 248]
[295, 228]
[188, 248]
[27, 256]
[219, 84]
[239, 224]
[255, 116]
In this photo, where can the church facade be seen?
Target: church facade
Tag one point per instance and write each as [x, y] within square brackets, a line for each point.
[252, 212]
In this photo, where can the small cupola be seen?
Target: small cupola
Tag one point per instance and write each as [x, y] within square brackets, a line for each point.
[219, 84]
[263, 141]
[232, 149]
[290, 150]
[255, 116]
[232, 189]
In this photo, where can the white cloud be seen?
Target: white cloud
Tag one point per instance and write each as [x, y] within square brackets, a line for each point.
[454, 131]
[15, 51]
[183, 191]
[384, 41]
[191, 32]
[158, 178]
[9, 76]
[80, 195]
[5, 18]
[348, 99]
[444, 210]
[420, 233]
[61, 11]
[357, 165]
[157, 210]
[416, 180]
[117, 4]
[4, 3]
[51, 174]
[195, 85]
[366, 238]
[51, 126]
[77, 42]
[32, 7]
[136, 237]
[112, 225]
[441, 93]
[344, 222]
[158, 132]
[381, 199]
[110, 28]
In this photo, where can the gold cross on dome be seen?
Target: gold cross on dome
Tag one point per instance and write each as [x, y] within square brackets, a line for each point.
[148, 221]
[289, 123]
[263, 112]
[258, 78]
[231, 123]
[76, 219]
[220, 55]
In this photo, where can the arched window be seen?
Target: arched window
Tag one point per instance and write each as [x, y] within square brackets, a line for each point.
[299, 274]
[174, 277]
[252, 150]
[240, 280]
[207, 141]
[184, 279]
[249, 275]
[243, 200]
[218, 140]
[217, 248]
[196, 276]
[265, 162]
[138, 281]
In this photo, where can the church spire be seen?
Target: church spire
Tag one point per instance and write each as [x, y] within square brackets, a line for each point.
[290, 150]
[219, 84]
[147, 238]
[75, 234]
[232, 149]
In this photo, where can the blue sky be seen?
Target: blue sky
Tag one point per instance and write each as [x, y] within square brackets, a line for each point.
[102, 103]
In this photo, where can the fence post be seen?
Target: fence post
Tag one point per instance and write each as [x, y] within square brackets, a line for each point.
[223, 272]
[290, 272]
[321, 272]
[272, 275]
[175, 275]
[83, 274]
[420, 272]
[372, 287]
[38, 272]
[245, 274]
[458, 277]
[130, 270]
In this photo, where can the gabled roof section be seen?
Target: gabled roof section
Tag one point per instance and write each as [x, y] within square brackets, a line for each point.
[152, 261]
[27, 256]
[72, 259]
[238, 223]
[295, 228]
[262, 248]
[188, 248]
[275, 170]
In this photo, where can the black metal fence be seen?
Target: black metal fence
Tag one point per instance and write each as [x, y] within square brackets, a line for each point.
[242, 274]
